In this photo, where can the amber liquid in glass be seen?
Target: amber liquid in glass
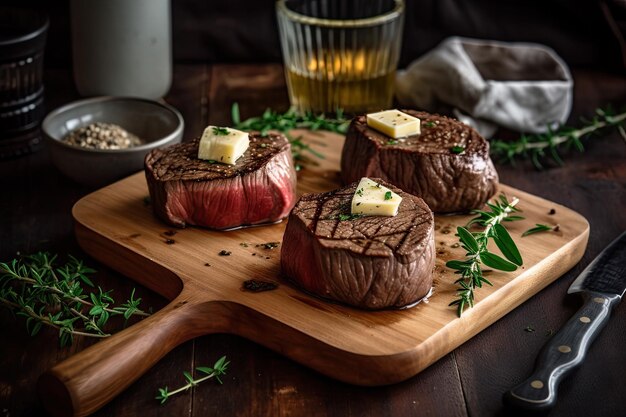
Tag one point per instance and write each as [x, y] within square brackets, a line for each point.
[351, 81]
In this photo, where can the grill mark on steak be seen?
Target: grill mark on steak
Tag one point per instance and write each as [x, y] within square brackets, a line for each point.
[371, 262]
[424, 164]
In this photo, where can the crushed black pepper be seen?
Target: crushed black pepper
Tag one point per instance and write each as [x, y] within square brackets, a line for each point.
[224, 253]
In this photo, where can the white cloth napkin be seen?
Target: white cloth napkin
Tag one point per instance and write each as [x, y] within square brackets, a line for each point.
[522, 86]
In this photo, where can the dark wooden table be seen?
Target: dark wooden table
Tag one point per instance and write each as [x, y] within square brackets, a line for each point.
[35, 205]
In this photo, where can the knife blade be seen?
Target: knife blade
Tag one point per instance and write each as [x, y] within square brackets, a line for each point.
[602, 285]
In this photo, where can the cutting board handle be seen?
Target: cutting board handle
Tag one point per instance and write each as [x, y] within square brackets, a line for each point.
[88, 380]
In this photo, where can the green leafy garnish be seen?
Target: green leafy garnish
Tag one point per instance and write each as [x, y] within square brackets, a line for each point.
[343, 217]
[388, 195]
[45, 294]
[220, 131]
[457, 149]
[548, 145]
[478, 254]
[292, 119]
[216, 371]
[428, 124]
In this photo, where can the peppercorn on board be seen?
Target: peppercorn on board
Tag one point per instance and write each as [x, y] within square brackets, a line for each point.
[116, 226]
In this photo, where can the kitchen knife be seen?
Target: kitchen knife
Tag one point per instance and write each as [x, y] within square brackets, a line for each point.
[602, 285]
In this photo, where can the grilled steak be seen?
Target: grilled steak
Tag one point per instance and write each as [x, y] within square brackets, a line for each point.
[447, 165]
[370, 262]
[260, 188]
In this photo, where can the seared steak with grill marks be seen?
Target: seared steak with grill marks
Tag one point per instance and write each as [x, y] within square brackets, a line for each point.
[447, 165]
[259, 188]
[371, 262]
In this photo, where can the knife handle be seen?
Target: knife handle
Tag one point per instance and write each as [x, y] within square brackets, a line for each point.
[562, 353]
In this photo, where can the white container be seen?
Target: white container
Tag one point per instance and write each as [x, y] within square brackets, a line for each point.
[122, 47]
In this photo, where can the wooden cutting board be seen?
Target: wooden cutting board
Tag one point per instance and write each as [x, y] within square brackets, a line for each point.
[117, 227]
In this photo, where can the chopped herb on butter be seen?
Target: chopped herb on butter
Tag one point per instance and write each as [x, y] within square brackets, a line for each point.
[220, 131]
[374, 200]
[223, 145]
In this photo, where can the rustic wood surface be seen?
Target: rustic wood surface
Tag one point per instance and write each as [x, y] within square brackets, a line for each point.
[35, 214]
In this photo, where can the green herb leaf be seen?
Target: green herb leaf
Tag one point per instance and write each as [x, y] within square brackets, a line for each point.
[205, 370]
[188, 377]
[538, 228]
[505, 243]
[388, 195]
[344, 217]
[467, 239]
[496, 262]
[457, 149]
[220, 131]
[458, 265]
[234, 114]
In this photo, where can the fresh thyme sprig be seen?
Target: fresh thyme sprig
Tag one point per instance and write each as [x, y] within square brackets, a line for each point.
[477, 253]
[292, 119]
[549, 145]
[48, 295]
[216, 371]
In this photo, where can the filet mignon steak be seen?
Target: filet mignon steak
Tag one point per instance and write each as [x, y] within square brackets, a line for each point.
[259, 188]
[447, 165]
[370, 262]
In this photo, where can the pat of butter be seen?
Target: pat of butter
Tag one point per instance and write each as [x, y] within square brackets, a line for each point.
[373, 199]
[394, 123]
[223, 144]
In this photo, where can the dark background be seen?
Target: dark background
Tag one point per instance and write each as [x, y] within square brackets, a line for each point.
[587, 34]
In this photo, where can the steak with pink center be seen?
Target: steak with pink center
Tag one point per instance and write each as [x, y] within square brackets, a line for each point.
[259, 188]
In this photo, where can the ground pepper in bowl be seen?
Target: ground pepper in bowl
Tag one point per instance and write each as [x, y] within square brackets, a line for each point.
[102, 136]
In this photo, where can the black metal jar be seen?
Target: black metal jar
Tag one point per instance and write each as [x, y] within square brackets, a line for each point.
[22, 41]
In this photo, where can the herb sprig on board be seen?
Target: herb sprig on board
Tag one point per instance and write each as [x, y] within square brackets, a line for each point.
[551, 144]
[45, 294]
[292, 119]
[216, 371]
[475, 243]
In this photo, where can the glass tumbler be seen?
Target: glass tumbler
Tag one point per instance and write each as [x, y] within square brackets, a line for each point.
[340, 54]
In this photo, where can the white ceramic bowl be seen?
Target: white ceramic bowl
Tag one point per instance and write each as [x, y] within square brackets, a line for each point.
[158, 124]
